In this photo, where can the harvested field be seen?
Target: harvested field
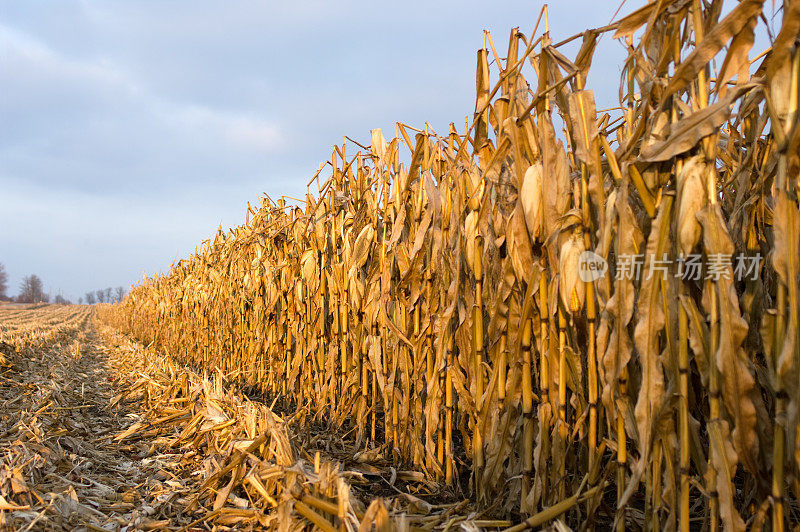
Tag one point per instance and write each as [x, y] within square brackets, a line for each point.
[57, 471]
[99, 433]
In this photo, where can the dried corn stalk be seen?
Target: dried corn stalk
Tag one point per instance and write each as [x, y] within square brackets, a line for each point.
[442, 308]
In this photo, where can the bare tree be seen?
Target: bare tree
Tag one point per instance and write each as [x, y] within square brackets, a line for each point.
[62, 300]
[108, 295]
[90, 299]
[3, 282]
[120, 293]
[101, 295]
[80, 301]
[31, 290]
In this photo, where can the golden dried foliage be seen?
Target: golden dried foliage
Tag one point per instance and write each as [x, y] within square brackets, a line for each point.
[435, 308]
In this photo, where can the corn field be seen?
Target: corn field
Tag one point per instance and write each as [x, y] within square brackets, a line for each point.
[430, 297]
[21, 329]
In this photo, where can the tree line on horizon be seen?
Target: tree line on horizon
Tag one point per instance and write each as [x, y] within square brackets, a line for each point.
[31, 290]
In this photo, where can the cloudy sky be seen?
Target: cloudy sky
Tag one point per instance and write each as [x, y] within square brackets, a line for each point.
[130, 130]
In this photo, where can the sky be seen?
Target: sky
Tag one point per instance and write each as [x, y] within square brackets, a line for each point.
[131, 130]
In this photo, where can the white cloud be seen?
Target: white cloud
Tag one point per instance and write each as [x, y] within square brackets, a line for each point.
[22, 52]
[236, 130]
[68, 105]
[258, 135]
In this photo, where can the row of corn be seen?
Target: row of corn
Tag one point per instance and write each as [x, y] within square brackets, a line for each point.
[444, 305]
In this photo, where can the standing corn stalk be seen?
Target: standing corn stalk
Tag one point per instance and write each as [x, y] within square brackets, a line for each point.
[443, 298]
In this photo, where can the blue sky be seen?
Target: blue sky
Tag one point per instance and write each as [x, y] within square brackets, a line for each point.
[130, 130]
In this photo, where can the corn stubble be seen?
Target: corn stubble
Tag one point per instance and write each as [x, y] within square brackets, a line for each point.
[434, 308]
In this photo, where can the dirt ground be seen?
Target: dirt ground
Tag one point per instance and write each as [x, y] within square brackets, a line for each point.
[58, 468]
